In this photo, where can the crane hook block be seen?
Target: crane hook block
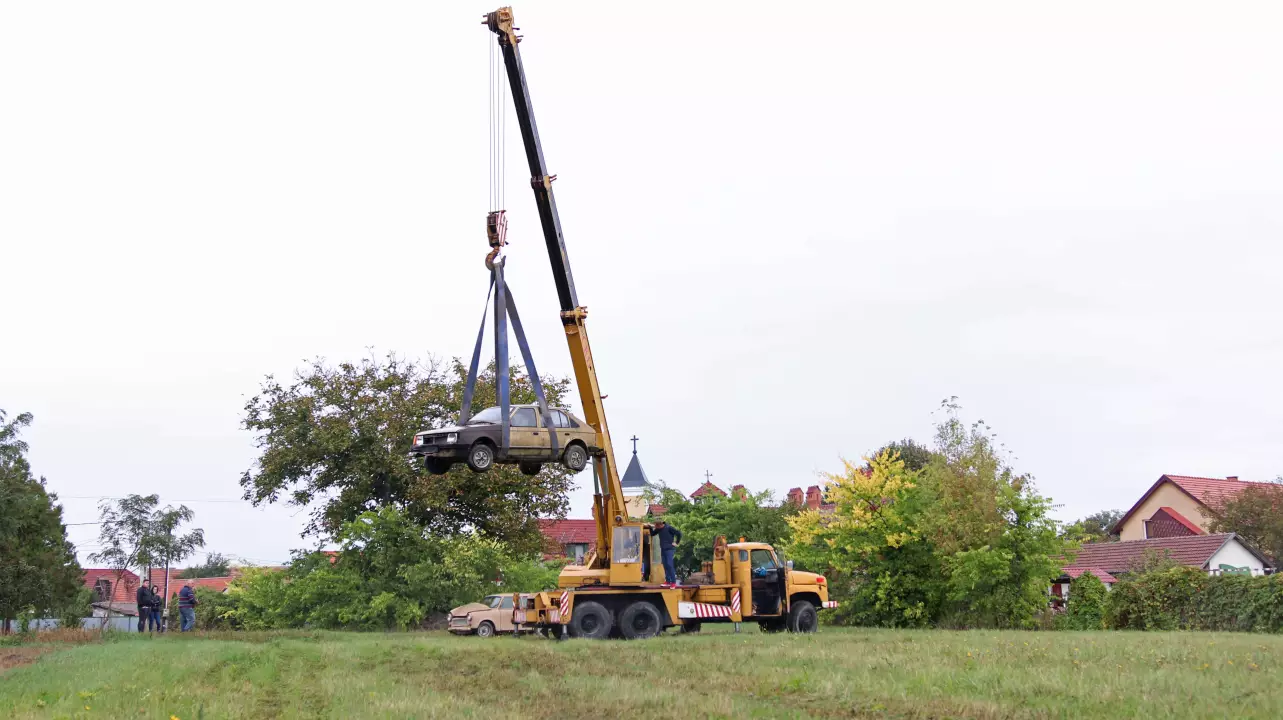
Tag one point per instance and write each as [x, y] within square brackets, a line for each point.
[497, 228]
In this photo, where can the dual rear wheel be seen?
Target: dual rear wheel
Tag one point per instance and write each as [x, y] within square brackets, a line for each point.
[637, 621]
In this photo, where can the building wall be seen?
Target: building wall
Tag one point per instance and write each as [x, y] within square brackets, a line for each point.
[1235, 554]
[1167, 495]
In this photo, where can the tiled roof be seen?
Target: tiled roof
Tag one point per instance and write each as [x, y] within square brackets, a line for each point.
[657, 509]
[122, 591]
[1116, 557]
[708, 488]
[569, 531]
[1075, 571]
[1167, 522]
[1212, 492]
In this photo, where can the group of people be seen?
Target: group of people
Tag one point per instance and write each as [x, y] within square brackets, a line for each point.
[151, 601]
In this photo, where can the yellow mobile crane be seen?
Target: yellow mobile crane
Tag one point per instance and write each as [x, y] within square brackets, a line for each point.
[608, 596]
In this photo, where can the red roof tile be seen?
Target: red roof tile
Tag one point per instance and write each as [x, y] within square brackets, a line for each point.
[1116, 557]
[707, 488]
[1212, 492]
[1075, 571]
[1166, 522]
[656, 510]
[569, 531]
[122, 591]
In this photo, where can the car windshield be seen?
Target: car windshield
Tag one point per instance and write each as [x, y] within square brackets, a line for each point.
[489, 416]
[493, 601]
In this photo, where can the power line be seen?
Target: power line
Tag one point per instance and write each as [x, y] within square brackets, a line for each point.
[121, 497]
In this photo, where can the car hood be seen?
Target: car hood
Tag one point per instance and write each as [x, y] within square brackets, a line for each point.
[470, 607]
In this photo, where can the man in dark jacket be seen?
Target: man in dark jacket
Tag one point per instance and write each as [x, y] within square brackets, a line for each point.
[669, 538]
[144, 599]
[158, 602]
[187, 607]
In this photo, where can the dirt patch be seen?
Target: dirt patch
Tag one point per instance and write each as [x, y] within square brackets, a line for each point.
[11, 657]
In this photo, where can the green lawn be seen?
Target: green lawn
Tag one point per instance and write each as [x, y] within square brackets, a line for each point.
[836, 673]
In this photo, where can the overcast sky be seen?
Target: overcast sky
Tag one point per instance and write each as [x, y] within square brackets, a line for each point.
[797, 227]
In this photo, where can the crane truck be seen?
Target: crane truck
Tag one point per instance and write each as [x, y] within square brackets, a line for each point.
[607, 595]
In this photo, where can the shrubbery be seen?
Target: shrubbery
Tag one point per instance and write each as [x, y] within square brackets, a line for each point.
[1186, 598]
[1087, 599]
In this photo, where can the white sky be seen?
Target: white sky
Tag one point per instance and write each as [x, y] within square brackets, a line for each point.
[797, 228]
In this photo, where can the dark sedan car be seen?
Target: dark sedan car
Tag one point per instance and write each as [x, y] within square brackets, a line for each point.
[478, 442]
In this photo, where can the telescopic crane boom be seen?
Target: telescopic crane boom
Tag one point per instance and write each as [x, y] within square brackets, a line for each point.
[609, 510]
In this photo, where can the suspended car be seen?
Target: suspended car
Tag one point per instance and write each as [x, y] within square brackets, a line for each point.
[479, 441]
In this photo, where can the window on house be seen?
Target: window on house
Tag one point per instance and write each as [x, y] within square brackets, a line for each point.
[102, 590]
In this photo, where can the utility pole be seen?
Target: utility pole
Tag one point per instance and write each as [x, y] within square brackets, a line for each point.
[164, 614]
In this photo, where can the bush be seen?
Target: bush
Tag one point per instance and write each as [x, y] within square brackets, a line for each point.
[1087, 598]
[1186, 598]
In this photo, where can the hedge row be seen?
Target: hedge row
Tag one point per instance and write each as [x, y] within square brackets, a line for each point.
[1185, 599]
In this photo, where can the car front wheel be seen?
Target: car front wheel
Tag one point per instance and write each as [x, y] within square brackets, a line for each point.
[485, 630]
[576, 457]
[480, 457]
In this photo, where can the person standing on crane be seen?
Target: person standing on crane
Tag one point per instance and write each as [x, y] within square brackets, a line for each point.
[669, 538]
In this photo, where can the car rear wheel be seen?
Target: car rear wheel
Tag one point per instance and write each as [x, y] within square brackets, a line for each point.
[576, 457]
[485, 630]
[802, 618]
[436, 466]
[480, 457]
[590, 620]
[640, 621]
[531, 469]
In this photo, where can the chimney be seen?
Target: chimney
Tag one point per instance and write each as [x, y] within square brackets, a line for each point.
[1232, 478]
[795, 496]
[813, 497]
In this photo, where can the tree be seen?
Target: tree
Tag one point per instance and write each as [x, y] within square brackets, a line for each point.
[215, 565]
[342, 433]
[38, 569]
[1097, 527]
[1256, 514]
[1087, 597]
[751, 515]
[134, 533]
[915, 456]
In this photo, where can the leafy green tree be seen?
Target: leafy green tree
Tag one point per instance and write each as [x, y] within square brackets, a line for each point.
[750, 515]
[915, 456]
[1097, 527]
[877, 559]
[38, 569]
[1256, 514]
[342, 433]
[215, 565]
[137, 534]
[1087, 597]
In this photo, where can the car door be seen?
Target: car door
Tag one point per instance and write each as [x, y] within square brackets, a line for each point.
[528, 439]
[504, 621]
[767, 577]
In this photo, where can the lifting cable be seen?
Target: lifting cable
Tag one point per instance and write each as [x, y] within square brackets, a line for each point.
[505, 308]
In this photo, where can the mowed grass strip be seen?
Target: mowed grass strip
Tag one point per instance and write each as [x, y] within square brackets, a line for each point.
[836, 673]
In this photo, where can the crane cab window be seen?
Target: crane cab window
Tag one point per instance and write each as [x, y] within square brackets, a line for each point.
[743, 556]
[627, 545]
[764, 560]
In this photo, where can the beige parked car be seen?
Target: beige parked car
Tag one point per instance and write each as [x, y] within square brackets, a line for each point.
[491, 616]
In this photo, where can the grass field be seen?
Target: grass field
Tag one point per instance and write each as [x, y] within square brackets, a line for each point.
[836, 673]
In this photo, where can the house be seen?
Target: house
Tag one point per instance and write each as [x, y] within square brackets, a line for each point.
[708, 489]
[1218, 553]
[1177, 506]
[573, 539]
[112, 587]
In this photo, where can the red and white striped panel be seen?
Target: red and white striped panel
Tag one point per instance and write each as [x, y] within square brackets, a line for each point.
[735, 602]
[830, 603]
[565, 604]
[554, 615]
[700, 611]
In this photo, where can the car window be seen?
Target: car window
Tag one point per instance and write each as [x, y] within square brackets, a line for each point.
[570, 422]
[763, 559]
[506, 604]
[490, 415]
[523, 417]
[492, 601]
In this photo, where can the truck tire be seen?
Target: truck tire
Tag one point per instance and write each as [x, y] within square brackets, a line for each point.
[485, 630]
[640, 621]
[590, 620]
[480, 457]
[802, 618]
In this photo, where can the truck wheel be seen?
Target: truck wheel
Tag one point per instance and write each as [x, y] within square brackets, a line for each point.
[576, 457]
[485, 630]
[530, 468]
[640, 621]
[480, 457]
[436, 466]
[802, 618]
[590, 620]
